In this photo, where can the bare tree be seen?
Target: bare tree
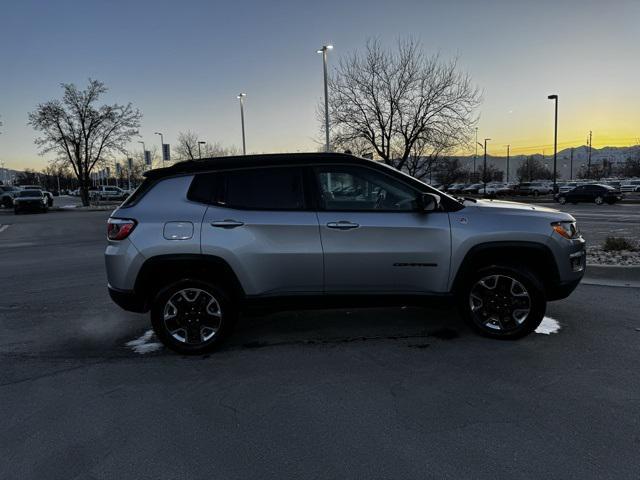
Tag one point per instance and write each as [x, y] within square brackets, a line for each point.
[533, 169]
[82, 134]
[401, 101]
[450, 171]
[187, 148]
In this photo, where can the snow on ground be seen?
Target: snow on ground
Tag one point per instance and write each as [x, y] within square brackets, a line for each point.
[145, 343]
[548, 326]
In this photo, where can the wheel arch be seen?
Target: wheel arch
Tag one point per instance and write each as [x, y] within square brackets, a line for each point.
[535, 256]
[159, 271]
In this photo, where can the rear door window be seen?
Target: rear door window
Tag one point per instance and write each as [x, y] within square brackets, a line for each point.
[277, 188]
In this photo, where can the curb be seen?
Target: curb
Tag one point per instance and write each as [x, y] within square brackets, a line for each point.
[612, 275]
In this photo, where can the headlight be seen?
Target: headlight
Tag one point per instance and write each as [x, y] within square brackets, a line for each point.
[568, 230]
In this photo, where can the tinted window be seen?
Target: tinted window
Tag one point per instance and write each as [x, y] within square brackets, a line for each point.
[264, 189]
[30, 193]
[353, 188]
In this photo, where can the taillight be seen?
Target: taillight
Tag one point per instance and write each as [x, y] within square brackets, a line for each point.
[119, 228]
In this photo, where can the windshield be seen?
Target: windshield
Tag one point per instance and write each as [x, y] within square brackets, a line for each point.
[30, 193]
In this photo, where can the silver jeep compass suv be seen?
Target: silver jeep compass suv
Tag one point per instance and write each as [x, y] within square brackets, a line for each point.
[201, 241]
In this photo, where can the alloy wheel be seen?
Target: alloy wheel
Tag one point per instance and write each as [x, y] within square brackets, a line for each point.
[499, 303]
[192, 316]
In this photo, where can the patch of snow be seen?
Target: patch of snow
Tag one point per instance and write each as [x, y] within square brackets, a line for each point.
[144, 344]
[548, 326]
[69, 206]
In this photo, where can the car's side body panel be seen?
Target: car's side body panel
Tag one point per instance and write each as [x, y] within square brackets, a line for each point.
[388, 252]
[272, 252]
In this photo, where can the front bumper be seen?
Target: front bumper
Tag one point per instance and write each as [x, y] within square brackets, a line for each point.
[571, 260]
[29, 205]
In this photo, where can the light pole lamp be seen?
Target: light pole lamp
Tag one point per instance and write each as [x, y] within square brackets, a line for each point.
[555, 142]
[200, 142]
[244, 144]
[161, 145]
[324, 50]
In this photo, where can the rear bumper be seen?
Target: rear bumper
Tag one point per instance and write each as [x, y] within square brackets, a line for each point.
[128, 300]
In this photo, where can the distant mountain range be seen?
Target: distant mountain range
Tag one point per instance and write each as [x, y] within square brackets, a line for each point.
[615, 155]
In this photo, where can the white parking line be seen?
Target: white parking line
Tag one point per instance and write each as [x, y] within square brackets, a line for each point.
[3, 227]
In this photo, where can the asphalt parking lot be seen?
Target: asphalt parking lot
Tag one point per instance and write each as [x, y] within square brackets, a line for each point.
[372, 393]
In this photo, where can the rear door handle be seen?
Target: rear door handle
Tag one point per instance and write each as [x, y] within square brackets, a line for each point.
[342, 225]
[226, 224]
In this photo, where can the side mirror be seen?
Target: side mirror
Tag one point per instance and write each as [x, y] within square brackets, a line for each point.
[429, 202]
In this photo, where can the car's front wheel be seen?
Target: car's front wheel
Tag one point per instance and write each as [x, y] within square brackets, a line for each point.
[503, 302]
[599, 200]
[562, 200]
[192, 317]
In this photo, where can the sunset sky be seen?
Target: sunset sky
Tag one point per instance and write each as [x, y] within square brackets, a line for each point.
[182, 64]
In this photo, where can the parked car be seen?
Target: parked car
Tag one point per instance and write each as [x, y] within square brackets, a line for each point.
[106, 192]
[567, 186]
[615, 184]
[534, 188]
[473, 189]
[48, 195]
[457, 188]
[7, 193]
[505, 189]
[630, 186]
[590, 193]
[200, 242]
[493, 189]
[30, 200]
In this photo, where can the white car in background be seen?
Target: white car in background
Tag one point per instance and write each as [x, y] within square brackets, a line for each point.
[630, 186]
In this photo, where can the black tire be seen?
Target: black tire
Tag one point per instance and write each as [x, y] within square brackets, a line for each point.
[498, 318]
[598, 200]
[16, 211]
[7, 202]
[562, 200]
[186, 322]
[536, 193]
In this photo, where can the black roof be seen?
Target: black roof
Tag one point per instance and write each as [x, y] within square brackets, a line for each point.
[283, 159]
[246, 161]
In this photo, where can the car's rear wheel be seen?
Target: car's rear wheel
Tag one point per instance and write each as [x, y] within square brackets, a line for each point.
[503, 302]
[192, 317]
[599, 200]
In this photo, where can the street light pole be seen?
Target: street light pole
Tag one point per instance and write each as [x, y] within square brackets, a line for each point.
[484, 168]
[323, 51]
[161, 146]
[590, 144]
[571, 166]
[200, 152]
[241, 98]
[476, 154]
[508, 147]
[555, 143]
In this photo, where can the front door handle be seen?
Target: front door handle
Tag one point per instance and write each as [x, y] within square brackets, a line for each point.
[227, 224]
[342, 225]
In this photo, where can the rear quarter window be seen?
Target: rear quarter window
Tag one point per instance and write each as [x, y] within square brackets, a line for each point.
[138, 193]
